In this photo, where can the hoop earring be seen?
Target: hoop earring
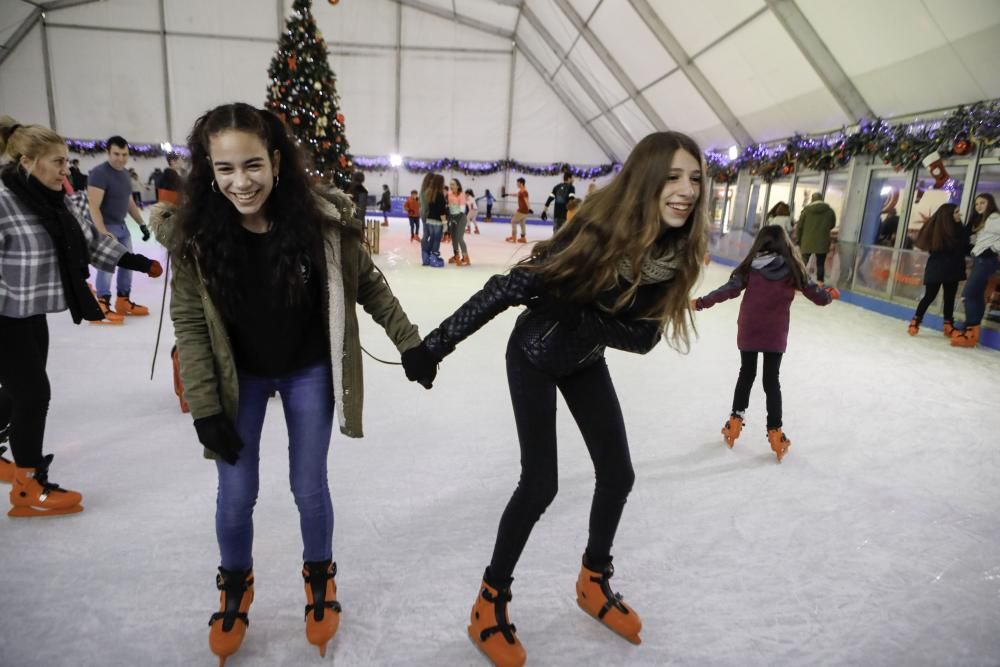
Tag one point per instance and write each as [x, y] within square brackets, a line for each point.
[215, 188]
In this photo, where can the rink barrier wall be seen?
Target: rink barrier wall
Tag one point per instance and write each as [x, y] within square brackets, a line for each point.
[987, 337]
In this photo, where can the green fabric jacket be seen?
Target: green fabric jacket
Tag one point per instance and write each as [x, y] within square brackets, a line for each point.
[813, 230]
[208, 368]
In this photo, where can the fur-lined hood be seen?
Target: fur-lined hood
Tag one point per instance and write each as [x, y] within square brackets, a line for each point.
[332, 202]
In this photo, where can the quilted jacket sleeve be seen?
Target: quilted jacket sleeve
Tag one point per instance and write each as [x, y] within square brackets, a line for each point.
[621, 333]
[498, 294]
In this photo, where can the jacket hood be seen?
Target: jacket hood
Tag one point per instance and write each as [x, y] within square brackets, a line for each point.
[770, 265]
[334, 204]
[818, 206]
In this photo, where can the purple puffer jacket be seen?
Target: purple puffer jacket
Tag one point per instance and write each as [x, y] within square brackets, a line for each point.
[766, 306]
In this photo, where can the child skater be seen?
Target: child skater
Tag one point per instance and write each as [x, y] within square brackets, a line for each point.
[771, 273]
[471, 211]
[619, 277]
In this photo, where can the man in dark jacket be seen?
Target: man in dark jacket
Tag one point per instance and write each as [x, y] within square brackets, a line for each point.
[815, 224]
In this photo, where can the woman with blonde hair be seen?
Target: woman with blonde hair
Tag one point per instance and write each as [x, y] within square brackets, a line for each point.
[618, 276]
[47, 242]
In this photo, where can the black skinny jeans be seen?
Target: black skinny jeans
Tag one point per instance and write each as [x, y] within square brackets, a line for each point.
[820, 264]
[24, 351]
[594, 405]
[772, 386]
[930, 293]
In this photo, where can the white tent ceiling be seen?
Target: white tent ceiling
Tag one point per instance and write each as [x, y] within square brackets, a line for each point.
[535, 80]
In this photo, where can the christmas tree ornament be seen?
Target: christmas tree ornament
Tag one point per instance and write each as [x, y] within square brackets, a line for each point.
[935, 165]
[962, 145]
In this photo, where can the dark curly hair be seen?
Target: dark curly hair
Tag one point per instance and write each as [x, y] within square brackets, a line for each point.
[210, 225]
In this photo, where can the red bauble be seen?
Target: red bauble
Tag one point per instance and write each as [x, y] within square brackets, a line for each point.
[340, 118]
[333, 2]
[295, 120]
[961, 147]
[293, 63]
[787, 169]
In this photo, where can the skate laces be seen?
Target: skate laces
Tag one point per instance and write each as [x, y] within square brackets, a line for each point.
[505, 628]
[317, 583]
[614, 600]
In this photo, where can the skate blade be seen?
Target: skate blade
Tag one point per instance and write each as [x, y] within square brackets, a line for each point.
[730, 441]
[30, 512]
[635, 639]
[111, 322]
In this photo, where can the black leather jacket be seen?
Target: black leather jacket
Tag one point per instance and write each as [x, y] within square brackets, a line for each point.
[552, 347]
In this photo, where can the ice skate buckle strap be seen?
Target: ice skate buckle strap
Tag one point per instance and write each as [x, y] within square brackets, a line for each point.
[614, 600]
[319, 593]
[234, 596]
[500, 601]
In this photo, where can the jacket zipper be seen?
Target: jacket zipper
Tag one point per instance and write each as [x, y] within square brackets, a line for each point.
[550, 330]
[589, 354]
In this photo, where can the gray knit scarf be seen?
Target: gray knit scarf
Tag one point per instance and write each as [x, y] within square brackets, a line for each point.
[654, 270]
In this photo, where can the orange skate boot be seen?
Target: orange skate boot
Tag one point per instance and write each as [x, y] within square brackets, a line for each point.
[732, 428]
[490, 629]
[322, 608]
[594, 595]
[225, 637]
[779, 443]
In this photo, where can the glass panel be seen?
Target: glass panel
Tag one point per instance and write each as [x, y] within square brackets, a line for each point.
[805, 185]
[755, 209]
[880, 220]
[908, 283]
[874, 266]
[781, 191]
[836, 195]
[720, 207]
[931, 193]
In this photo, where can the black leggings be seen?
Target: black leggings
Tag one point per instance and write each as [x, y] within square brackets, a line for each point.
[820, 264]
[594, 405]
[930, 293]
[24, 351]
[772, 386]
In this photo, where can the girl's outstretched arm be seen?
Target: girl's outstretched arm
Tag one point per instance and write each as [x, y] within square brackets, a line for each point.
[730, 290]
[821, 296]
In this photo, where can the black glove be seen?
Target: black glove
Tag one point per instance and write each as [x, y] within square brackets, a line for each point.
[140, 263]
[145, 232]
[568, 314]
[545, 215]
[420, 365]
[217, 433]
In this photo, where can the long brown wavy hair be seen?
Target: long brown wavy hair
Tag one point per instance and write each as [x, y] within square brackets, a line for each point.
[622, 220]
[976, 221]
[774, 239]
[940, 232]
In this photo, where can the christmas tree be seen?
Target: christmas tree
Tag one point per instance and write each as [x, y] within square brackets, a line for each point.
[303, 93]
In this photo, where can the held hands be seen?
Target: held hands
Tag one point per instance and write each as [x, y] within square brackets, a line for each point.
[217, 433]
[833, 292]
[420, 365]
[155, 269]
[694, 304]
[141, 263]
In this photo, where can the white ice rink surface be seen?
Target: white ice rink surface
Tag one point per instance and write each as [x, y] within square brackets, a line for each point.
[876, 542]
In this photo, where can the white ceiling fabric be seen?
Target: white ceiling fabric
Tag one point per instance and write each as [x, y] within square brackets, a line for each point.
[455, 59]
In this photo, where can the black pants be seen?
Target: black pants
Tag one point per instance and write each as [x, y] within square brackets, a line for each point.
[820, 264]
[594, 405]
[24, 351]
[772, 386]
[930, 293]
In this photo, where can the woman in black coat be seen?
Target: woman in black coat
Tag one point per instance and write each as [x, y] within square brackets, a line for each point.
[945, 238]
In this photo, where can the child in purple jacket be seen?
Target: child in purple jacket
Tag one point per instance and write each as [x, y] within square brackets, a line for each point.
[771, 274]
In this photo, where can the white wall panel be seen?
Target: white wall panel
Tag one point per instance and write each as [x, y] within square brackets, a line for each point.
[250, 18]
[566, 83]
[715, 138]
[142, 14]
[604, 128]
[633, 119]
[108, 83]
[444, 113]
[698, 24]
[205, 73]
[501, 16]
[366, 83]
[353, 21]
[601, 78]
[680, 105]
[544, 129]
[538, 47]
[12, 15]
[423, 29]
[931, 80]
[22, 82]
[958, 19]
[815, 111]
[554, 21]
[979, 55]
[758, 67]
[630, 42]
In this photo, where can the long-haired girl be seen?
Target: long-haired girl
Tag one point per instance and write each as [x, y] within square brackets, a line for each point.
[771, 274]
[264, 293]
[945, 238]
[619, 277]
[984, 228]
